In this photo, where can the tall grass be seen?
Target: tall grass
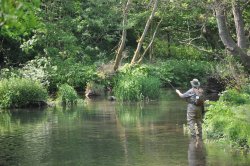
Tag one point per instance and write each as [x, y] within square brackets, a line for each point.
[67, 95]
[134, 84]
[19, 92]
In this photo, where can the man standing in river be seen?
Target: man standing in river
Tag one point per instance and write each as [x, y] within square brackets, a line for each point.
[194, 108]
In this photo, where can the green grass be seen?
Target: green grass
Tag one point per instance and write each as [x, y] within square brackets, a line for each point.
[134, 84]
[228, 118]
[19, 92]
[67, 95]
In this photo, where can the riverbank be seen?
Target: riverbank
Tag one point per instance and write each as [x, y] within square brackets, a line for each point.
[227, 120]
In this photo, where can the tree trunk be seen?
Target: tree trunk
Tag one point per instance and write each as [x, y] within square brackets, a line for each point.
[139, 45]
[124, 36]
[239, 25]
[151, 42]
[226, 38]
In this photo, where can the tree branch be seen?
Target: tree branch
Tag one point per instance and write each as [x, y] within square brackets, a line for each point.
[151, 42]
[138, 49]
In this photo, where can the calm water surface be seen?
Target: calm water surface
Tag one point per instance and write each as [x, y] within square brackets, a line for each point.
[103, 133]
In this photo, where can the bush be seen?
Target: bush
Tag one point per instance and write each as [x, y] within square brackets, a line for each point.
[37, 70]
[150, 87]
[233, 96]
[186, 52]
[246, 89]
[7, 73]
[180, 72]
[72, 73]
[136, 83]
[216, 119]
[19, 92]
[128, 89]
[230, 72]
[229, 117]
[67, 94]
[94, 89]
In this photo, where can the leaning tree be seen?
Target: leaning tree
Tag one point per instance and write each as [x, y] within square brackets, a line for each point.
[240, 45]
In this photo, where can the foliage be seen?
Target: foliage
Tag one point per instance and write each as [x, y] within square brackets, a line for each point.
[180, 72]
[228, 118]
[235, 97]
[19, 92]
[75, 30]
[186, 52]
[75, 74]
[67, 94]
[18, 23]
[246, 89]
[37, 70]
[7, 73]
[230, 72]
[18, 18]
[94, 88]
[128, 89]
[135, 83]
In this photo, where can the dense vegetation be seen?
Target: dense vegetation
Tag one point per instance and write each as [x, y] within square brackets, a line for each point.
[16, 92]
[67, 46]
[228, 118]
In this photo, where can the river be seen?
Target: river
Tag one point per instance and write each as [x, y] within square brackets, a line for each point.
[99, 132]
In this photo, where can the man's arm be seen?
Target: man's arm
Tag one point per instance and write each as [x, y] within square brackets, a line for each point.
[179, 93]
[183, 95]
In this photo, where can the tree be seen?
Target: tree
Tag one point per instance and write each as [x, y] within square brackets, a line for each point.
[151, 42]
[124, 36]
[139, 45]
[18, 23]
[239, 49]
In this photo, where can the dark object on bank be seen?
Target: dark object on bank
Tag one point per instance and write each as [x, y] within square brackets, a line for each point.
[111, 98]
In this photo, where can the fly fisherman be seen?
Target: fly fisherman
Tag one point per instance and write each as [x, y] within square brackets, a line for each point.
[194, 108]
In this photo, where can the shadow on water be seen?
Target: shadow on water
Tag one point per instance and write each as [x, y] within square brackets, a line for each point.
[99, 132]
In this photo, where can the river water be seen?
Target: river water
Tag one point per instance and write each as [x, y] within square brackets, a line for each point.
[102, 133]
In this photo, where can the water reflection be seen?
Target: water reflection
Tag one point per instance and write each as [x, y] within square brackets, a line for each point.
[196, 153]
[105, 133]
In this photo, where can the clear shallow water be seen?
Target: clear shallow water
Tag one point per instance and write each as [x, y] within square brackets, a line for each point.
[104, 133]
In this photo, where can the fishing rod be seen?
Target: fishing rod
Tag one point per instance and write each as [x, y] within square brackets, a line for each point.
[171, 85]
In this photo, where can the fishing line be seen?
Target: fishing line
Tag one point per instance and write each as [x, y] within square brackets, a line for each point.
[171, 85]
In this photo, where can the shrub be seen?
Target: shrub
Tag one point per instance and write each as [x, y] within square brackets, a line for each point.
[233, 96]
[67, 94]
[19, 92]
[246, 89]
[230, 72]
[128, 88]
[150, 87]
[72, 73]
[216, 120]
[37, 70]
[94, 89]
[136, 83]
[228, 118]
[7, 73]
[186, 52]
[180, 72]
